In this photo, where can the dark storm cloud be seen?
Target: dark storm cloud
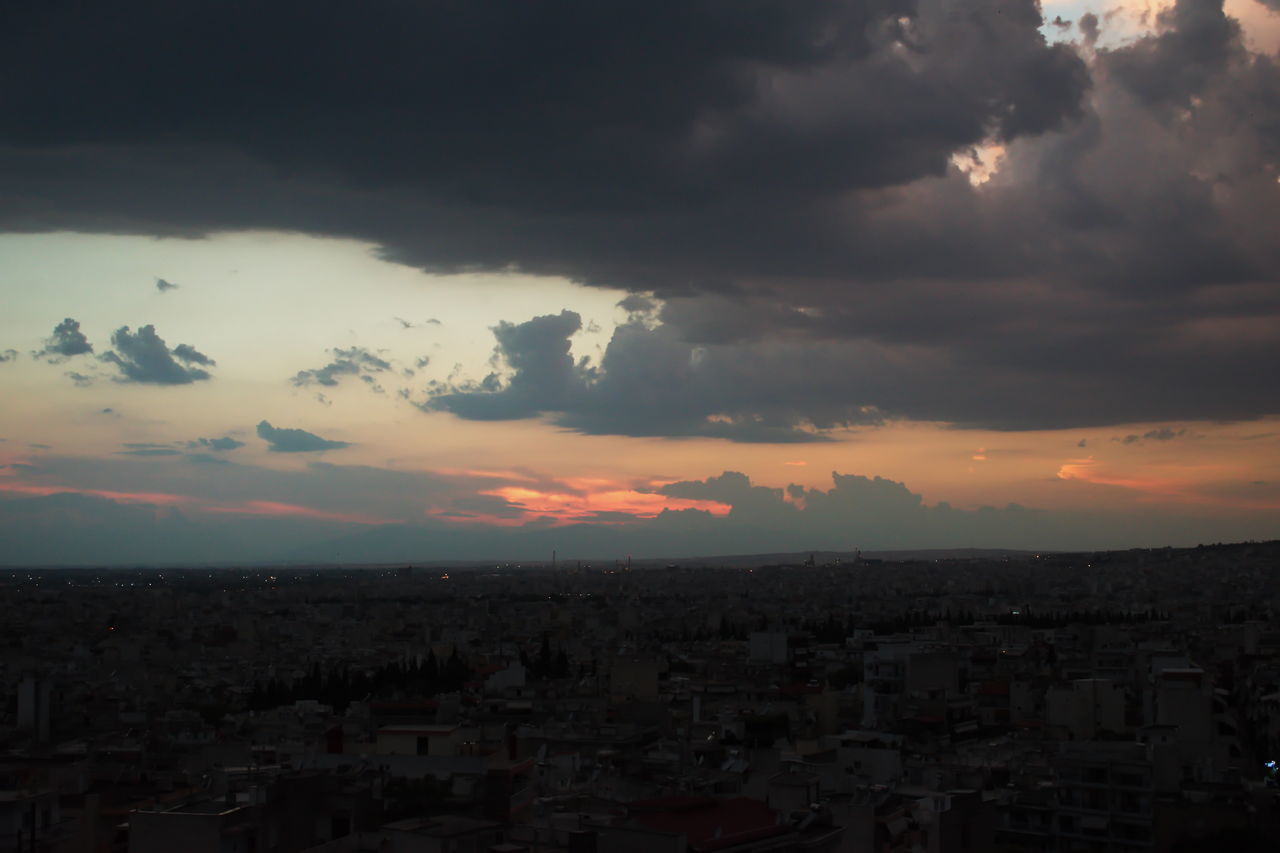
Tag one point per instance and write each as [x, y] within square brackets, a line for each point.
[1197, 44]
[651, 381]
[145, 358]
[67, 340]
[281, 440]
[640, 100]
[165, 286]
[776, 174]
[724, 135]
[353, 361]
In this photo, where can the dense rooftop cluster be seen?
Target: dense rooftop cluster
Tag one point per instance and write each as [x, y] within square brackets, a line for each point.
[1108, 701]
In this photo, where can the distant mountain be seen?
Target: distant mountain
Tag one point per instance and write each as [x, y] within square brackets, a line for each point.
[397, 543]
[585, 542]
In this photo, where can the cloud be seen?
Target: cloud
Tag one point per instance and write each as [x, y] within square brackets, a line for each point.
[793, 85]
[544, 376]
[165, 286]
[281, 440]
[8, 355]
[1089, 28]
[216, 444]
[1159, 434]
[353, 361]
[782, 186]
[331, 490]
[483, 506]
[66, 341]
[148, 448]
[1196, 43]
[190, 355]
[409, 324]
[80, 379]
[125, 509]
[609, 516]
[143, 357]
[648, 383]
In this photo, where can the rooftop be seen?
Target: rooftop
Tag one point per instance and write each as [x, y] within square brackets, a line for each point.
[709, 824]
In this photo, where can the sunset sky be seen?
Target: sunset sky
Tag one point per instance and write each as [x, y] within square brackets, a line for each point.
[365, 282]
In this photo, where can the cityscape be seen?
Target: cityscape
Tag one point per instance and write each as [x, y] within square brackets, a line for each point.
[1007, 702]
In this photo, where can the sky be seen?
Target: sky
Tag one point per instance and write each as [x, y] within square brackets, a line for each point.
[348, 282]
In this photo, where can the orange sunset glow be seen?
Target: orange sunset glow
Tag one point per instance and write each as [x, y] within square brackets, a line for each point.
[574, 506]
